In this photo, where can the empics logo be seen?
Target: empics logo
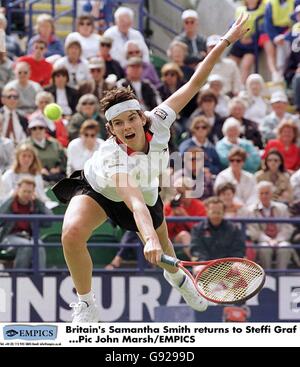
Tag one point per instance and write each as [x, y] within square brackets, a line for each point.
[26, 332]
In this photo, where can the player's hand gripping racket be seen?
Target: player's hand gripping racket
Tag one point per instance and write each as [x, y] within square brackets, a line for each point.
[228, 280]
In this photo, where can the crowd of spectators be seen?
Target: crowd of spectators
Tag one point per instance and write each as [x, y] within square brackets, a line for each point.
[236, 137]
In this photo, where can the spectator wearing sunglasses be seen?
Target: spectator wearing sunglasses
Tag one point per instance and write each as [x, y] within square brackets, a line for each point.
[82, 148]
[85, 36]
[112, 66]
[45, 29]
[190, 36]
[15, 123]
[49, 151]
[41, 69]
[87, 108]
[26, 88]
[76, 65]
[244, 182]
[133, 49]
[123, 32]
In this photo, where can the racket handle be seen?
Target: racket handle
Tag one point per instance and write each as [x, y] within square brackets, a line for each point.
[169, 260]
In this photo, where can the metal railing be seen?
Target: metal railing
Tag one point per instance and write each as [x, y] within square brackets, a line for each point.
[36, 219]
[27, 7]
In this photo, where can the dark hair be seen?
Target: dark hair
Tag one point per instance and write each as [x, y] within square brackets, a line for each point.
[118, 95]
[89, 124]
[60, 71]
[224, 187]
[84, 17]
[237, 151]
[207, 96]
[40, 40]
[279, 155]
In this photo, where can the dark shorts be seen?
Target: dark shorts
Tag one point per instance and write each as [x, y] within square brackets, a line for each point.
[239, 50]
[118, 212]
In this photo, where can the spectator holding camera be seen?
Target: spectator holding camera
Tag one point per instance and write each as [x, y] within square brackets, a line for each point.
[183, 206]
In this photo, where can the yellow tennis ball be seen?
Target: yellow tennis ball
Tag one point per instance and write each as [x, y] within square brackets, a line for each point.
[53, 111]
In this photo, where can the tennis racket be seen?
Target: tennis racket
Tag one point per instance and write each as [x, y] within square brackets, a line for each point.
[226, 281]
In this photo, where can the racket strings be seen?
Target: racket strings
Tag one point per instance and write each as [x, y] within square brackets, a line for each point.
[230, 281]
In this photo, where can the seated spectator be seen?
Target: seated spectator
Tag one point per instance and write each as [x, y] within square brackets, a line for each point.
[172, 79]
[243, 51]
[207, 102]
[277, 22]
[273, 171]
[233, 208]
[96, 84]
[65, 96]
[27, 89]
[200, 129]
[13, 49]
[226, 68]
[249, 128]
[112, 66]
[85, 36]
[177, 53]
[216, 237]
[45, 29]
[190, 36]
[87, 108]
[279, 104]
[216, 83]
[76, 65]
[257, 107]
[271, 237]
[15, 123]
[6, 70]
[232, 130]
[133, 49]
[57, 128]
[26, 164]
[295, 182]
[20, 232]
[243, 181]
[49, 151]
[41, 69]
[123, 32]
[286, 144]
[144, 90]
[6, 150]
[182, 205]
[194, 167]
[82, 148]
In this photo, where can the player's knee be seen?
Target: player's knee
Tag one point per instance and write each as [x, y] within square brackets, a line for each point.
[72, 237]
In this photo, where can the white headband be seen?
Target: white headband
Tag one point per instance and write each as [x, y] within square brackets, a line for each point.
[115, 110]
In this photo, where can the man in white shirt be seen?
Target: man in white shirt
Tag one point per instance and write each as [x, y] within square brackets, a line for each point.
[14, 123]
[123, 32]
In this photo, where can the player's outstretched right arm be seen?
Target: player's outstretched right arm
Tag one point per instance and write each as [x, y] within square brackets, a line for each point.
[178, 100]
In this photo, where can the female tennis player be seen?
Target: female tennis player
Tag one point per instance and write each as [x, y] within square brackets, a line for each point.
[120, 182]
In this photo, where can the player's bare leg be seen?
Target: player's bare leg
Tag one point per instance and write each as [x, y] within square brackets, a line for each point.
[83, 215]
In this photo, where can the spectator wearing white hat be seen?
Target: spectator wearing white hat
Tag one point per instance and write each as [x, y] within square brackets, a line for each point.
[215, 84]
[279, 104]
[232, 130]
[226, 68]
[123, 32]
[190, 36]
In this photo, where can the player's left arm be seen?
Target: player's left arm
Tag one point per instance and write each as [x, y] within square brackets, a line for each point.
[128, 190]
[178, 100]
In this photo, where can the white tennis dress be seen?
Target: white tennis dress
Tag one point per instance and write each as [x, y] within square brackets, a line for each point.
[112, 158]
